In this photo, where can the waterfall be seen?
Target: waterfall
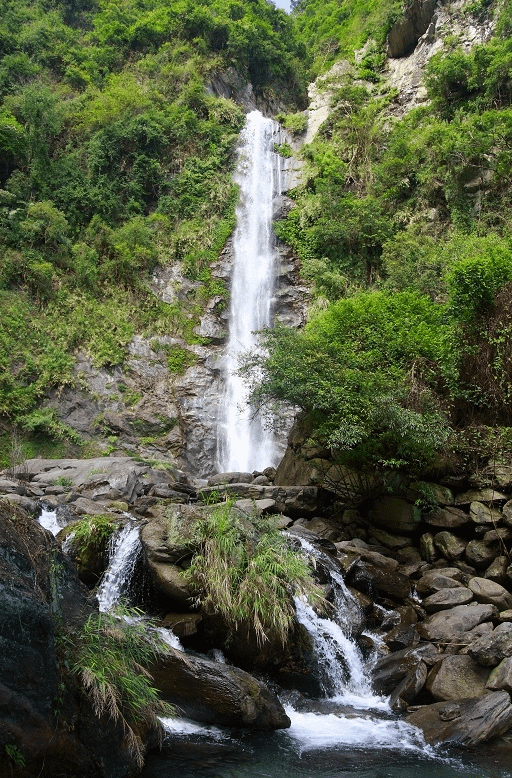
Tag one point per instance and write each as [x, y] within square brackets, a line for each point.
[124, 552]
[243, 441]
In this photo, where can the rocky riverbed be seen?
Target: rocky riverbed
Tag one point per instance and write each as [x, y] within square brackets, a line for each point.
[433, 583]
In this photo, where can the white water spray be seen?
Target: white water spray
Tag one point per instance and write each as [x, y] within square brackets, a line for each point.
[243, 442]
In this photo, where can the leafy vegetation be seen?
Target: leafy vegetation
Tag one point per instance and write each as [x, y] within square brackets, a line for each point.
[246, 572]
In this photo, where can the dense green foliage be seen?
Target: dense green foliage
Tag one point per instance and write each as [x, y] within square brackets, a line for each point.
[246, 572]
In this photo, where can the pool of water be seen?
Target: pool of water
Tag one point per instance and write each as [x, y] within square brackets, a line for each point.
[319, 746]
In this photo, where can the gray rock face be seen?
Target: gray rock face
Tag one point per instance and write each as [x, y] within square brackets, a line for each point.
[218, 694]
[406, 32]
[464, 722]
[455, 677]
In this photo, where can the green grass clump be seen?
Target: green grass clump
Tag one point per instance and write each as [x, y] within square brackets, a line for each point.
[91, 536]
[246, 572]
[111, 655]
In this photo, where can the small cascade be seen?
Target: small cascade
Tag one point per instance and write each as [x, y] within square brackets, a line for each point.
[340, 663]
[124, 553]
[244, 443]
[48, 520]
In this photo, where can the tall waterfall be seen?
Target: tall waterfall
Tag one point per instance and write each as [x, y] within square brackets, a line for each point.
[243, 442]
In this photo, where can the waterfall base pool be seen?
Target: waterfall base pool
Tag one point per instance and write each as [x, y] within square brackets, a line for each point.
[193, 751]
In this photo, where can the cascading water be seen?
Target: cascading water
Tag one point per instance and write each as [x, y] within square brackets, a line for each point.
[48, 520]
[122, 560]
[243, 441]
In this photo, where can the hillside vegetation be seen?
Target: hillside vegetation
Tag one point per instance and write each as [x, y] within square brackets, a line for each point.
[403, 227]
[114, 159]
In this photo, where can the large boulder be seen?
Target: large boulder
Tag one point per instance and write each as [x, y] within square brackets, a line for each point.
[214, 693]
[456, 676]
[464, 722]
[395, 515]
[490, 592]
[489, 650]
[448, 626]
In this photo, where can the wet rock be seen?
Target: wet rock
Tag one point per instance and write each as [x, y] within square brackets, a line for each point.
[182, 624]
[497, 570]
[491, 592]
[465, 722]
[455, 677]
[447, 626]
[402, 636]
[215, 693]
[409, 687]
[87, 507]
[447, 598]
[491, 649]
[449, 545]
[391, 670]
[374, 580]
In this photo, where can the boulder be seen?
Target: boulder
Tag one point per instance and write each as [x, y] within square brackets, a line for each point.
[394, 542]
[480, 513]
[402, 636]
[409, 687]
[436, 580]
[490, 592]
[501, 676]
[465, 722]
[447, 518]
[487, 496]
[456, 676]
[428, 547]
[447, 598]
[497, 570]
[449, 545]
[395, 515]
[391, 670]
[215, 693]
[230, 478]
[481, 554]
[373, 580]
[448, 626]
[28, 505]
[491, 649]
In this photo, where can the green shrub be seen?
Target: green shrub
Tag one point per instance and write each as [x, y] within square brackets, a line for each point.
[246, 572]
